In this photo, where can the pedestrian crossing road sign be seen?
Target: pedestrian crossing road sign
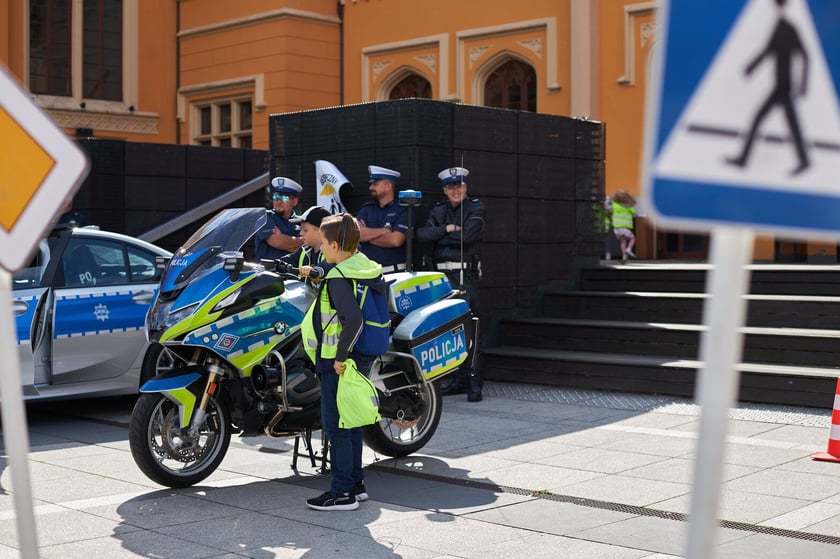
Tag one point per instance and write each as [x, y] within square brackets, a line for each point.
[745, 127]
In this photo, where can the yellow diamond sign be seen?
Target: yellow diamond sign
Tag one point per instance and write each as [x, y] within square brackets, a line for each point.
[25, 166]
[40, 168]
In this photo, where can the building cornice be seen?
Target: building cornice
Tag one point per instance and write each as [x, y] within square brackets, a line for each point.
[262, 17]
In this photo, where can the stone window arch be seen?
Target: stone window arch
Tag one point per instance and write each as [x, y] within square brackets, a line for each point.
[508, 82]
[403, 83]
[413, 85]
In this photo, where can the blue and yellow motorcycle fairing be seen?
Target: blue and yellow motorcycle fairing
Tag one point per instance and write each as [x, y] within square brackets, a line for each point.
[226, 356]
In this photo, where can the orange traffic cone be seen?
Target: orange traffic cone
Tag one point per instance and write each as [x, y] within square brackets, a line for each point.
[833, 452]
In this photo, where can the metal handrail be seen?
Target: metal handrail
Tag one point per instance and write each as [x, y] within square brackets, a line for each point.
[206, 208]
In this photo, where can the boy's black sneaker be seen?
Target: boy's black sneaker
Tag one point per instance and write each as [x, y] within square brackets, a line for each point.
[359, 491]
[333, 501]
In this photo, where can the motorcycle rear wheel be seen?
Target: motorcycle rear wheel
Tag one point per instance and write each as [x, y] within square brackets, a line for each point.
[396, 438]
[166, 453]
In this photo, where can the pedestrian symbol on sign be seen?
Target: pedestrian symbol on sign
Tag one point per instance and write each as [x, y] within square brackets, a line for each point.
[786, 47]
[763, 120]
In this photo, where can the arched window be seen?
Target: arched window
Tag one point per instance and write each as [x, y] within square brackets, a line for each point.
[412, 86]
[512, 86]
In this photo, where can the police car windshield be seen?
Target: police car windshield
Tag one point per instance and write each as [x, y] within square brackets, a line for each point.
[229, 229]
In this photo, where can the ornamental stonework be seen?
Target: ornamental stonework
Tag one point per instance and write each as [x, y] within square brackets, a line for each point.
[648, 31]
[129, 124]
[477, 52]
[379, 66]
[429, 60]
[534, 45]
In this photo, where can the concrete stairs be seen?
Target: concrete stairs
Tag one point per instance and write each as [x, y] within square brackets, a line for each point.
[637, 327]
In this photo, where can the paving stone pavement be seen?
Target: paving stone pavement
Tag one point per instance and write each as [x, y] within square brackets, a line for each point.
[528, 472]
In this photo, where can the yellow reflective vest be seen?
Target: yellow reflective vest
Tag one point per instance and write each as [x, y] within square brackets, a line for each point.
[357, 266]
[622, 216]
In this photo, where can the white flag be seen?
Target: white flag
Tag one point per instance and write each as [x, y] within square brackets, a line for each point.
[329, 180]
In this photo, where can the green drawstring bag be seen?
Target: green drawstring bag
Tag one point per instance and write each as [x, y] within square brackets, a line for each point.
[357, 399]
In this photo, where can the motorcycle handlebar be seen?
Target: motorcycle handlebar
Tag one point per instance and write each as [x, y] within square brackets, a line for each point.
[283, 267]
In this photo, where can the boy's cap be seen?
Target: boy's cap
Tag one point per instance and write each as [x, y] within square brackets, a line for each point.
[314, 216]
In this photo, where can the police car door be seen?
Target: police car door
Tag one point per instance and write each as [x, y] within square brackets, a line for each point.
[99, 312]
[31, 302]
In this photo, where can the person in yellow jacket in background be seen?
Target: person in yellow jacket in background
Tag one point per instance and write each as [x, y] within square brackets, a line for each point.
[623, 212]
[330, 330]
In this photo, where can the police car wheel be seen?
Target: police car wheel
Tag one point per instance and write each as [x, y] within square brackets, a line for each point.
[401, 437]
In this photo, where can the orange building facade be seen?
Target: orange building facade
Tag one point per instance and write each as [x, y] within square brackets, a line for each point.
[210, 72]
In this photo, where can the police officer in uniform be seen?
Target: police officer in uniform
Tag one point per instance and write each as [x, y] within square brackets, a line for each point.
[456, 228]
[279, 236]
[383, 222]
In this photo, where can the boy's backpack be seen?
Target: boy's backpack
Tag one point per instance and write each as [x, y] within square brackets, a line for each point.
[376, 330]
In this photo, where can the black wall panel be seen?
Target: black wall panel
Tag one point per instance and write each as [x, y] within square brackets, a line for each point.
[155, 193]
[215, 163]
[552, 178]
[486, 129]
[546, 135]
[155, 160]
[421, 122]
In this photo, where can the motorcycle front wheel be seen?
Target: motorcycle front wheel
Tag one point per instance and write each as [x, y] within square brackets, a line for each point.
[170, 455]
[398, 438]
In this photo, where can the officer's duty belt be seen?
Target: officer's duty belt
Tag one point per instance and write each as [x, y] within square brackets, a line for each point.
[453, 265]
[393, 268]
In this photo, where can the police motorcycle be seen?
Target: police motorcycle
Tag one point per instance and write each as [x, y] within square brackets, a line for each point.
[226, 356]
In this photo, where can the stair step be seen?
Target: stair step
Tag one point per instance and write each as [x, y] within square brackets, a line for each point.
[808, 346]
[671, 326]
[798, 311]
[685, 277]
[758, 382]
[621, 359]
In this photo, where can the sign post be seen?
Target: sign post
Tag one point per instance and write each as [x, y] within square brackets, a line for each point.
[40, 168]
[743, 136]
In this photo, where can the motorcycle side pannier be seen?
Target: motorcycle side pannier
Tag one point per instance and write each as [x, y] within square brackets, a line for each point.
[439, 336]
[413, 290]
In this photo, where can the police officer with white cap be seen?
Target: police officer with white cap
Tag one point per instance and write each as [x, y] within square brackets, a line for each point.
[383, 222]
[456, 227]
[279, 237]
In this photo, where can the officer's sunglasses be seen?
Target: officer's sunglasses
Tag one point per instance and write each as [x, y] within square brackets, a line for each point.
[281, 197]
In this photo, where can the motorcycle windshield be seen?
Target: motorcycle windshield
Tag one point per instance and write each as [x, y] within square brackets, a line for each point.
[226, 232]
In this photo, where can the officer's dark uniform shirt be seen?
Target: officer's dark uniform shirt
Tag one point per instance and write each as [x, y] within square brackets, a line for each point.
[448, 245]
[375, 216]
[263, 250]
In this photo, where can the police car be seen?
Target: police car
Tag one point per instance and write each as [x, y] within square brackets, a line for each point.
[80, 309]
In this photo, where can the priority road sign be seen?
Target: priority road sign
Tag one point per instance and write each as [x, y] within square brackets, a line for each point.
[40, 168]
[745, 126]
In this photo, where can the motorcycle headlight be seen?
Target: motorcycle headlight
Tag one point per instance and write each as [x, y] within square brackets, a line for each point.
[179, 315]
[227, 301]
